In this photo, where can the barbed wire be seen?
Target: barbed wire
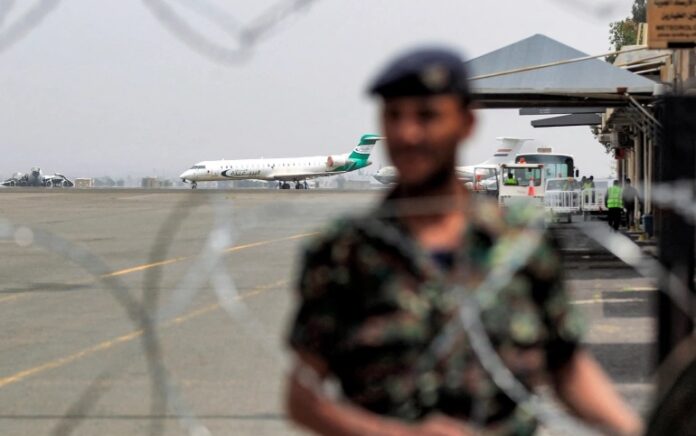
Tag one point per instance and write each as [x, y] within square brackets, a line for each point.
[246, 35]
[25, 24]
[215, 14]
[5, 9]
[208, 267]
[165, 392]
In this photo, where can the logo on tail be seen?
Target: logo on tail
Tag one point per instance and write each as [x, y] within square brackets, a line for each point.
[364, 148]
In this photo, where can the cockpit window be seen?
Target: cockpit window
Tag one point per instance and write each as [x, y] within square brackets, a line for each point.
[198, 167]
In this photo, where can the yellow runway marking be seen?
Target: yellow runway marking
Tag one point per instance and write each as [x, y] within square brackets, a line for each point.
[11, 298]
[126, 271]
[181, 259]
[111, 343]
[166, 262]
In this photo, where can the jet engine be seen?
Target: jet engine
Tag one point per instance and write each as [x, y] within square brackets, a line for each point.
[336, 161]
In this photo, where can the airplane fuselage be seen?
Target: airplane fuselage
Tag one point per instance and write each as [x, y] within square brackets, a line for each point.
[271, 169]
[297, 169]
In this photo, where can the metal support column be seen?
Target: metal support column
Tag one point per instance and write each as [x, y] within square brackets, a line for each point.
[676, 163]
[644, 171]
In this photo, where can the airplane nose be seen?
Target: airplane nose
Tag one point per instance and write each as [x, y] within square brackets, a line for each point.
[185, 175]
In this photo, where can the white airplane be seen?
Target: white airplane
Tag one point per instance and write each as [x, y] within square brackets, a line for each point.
[283, 170]
[387, 175]
[505, 154]
[36, 177]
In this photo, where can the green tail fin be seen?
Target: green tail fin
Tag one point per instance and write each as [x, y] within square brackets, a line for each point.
[364, 148]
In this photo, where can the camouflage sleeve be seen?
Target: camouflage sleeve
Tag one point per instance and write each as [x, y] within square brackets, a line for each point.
[564, 323]
[315, 324]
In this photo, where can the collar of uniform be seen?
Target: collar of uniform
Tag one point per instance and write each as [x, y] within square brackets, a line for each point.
[476, 229]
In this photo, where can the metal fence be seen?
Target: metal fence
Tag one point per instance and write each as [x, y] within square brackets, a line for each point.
[592, 201]
[562, 202]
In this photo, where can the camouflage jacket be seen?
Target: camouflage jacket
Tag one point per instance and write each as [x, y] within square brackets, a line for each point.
[371, 303]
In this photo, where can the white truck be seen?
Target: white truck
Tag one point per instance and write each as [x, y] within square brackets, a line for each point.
[485, 181]
[521, 182]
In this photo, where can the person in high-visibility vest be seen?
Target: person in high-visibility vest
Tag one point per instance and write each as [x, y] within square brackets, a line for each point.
[568, 184]
[586, 184]
[614, 203]
[511, 180]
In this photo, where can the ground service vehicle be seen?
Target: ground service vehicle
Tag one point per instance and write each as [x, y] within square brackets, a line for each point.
[485, 181]
[555, 165]
[521, 182]
[562, 198]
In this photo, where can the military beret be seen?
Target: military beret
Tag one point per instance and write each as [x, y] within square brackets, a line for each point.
[421, 72]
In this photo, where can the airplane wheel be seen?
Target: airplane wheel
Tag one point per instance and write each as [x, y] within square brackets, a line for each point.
[49, 184]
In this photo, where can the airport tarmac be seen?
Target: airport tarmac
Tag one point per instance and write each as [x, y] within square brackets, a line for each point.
[74, 362]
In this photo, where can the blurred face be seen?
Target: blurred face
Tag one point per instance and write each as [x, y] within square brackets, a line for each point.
[422, 135]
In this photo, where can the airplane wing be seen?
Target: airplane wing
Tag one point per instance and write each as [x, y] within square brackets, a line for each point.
[58, 180]
[14, 181]
[465, 173]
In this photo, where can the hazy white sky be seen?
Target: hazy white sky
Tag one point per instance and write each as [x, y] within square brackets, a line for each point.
[100, 87]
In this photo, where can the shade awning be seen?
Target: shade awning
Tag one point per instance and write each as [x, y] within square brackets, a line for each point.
[573, 120]
[589, 82]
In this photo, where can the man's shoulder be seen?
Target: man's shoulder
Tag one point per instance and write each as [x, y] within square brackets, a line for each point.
[350, 232]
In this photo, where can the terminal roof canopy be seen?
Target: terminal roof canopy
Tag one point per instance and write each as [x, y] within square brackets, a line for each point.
[590, 82]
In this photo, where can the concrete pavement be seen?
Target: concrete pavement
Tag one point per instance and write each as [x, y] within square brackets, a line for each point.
[68, 346]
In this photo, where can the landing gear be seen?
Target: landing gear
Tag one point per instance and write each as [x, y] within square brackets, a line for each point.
[298, 185]
[194, 185]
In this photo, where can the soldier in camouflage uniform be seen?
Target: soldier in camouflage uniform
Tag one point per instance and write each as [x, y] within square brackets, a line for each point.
[379, 294]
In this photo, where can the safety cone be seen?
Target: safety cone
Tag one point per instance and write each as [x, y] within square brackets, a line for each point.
[530, 190]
